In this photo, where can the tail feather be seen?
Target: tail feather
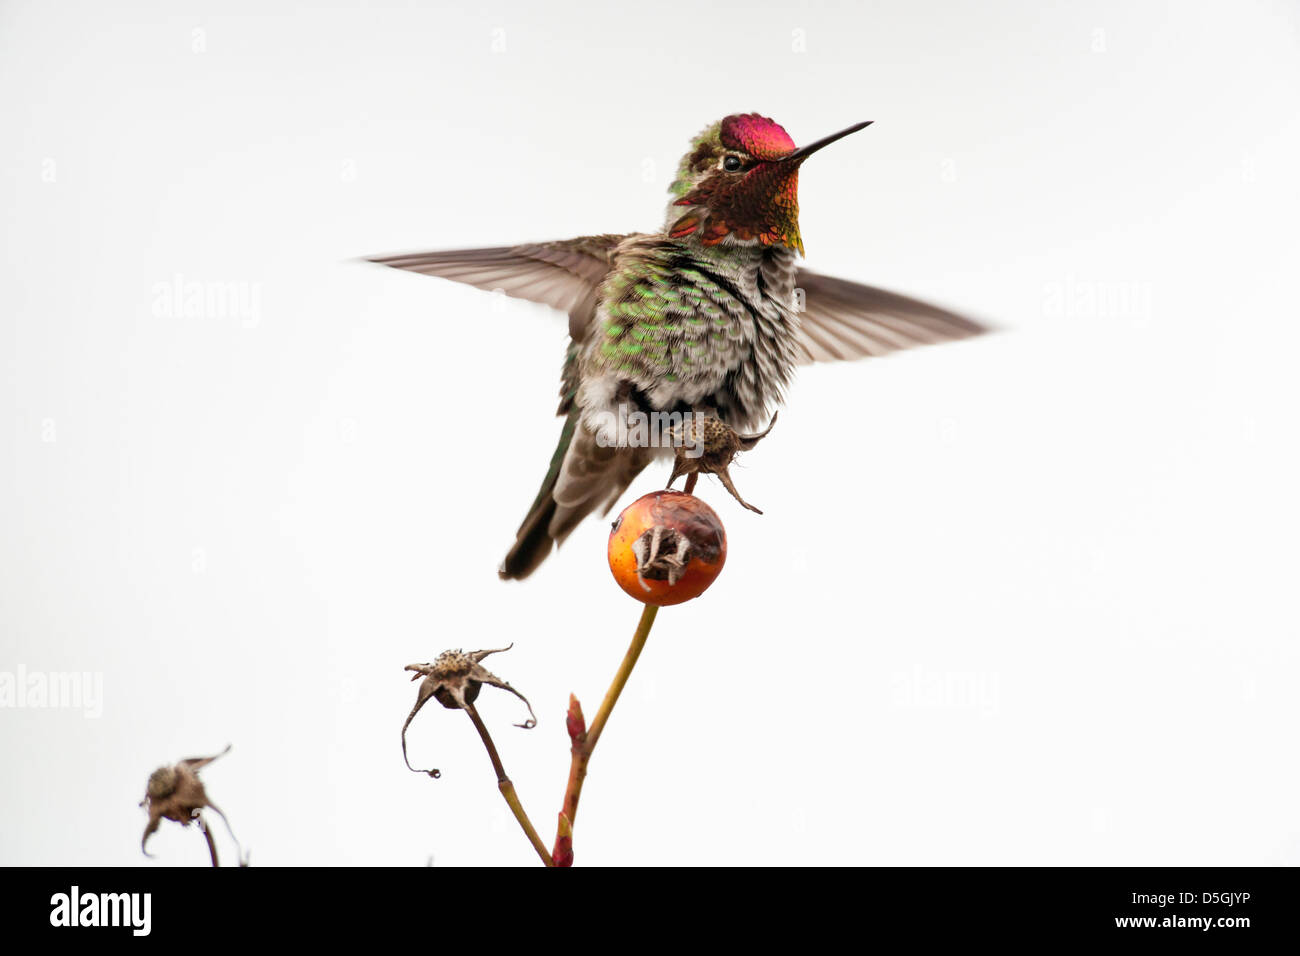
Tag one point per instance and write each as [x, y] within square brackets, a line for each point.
[583, 476]
[532, 544]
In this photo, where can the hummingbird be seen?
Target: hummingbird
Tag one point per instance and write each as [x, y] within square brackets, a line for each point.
[709, 316]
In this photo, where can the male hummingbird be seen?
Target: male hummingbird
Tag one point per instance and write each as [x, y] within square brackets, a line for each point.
[708, 316]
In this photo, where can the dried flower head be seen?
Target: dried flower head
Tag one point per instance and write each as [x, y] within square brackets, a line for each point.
[454, 680]
[709, 446]
[176, 793]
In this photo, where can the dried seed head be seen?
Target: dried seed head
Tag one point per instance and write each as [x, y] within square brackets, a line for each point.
[454, 680]
[176, 793]
[162, 782]
[709, 446]
[454, 683]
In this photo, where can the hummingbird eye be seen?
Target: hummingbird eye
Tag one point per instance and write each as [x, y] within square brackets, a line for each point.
[732, 163]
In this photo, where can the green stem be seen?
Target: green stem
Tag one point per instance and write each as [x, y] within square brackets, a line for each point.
[507, 788]
[207, 835]
[620, 679]
[585, 742]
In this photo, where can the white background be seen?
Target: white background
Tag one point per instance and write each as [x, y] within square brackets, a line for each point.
[1028, 599]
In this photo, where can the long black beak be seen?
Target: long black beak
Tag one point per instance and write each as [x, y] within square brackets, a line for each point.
[803, 152]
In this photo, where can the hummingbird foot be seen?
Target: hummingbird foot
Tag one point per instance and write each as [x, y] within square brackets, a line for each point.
[709, 446]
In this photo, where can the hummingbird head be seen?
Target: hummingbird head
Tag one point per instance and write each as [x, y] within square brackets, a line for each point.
[741, 180]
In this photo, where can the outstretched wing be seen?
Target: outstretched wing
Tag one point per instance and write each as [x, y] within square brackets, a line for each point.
[844, 320]
[564, 275]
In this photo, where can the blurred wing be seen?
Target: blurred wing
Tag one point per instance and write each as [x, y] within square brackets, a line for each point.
[844, 320]
[564, 275]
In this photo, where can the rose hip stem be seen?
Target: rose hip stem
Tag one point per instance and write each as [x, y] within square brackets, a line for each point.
[584, 741]
[507, 788]
[212, 845]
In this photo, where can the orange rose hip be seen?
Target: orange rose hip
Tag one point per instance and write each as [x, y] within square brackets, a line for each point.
[667, 547]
